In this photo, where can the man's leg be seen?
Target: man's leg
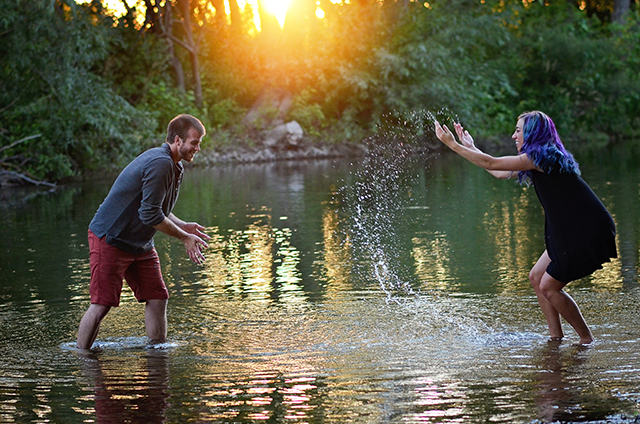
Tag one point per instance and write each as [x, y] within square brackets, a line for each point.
[90, 325]
[155, 319]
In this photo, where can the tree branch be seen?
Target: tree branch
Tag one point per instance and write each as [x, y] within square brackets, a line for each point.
[14, 144]
[21, 177]
[180, 42]
[126, 6]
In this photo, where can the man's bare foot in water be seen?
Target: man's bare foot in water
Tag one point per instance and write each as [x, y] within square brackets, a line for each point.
[586, 341]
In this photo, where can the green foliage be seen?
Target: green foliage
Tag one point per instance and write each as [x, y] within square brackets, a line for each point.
[47, 51]
[135, 61]
[224, 113]
[578, 73]
[308, 113]
[454, 56]
[487, 62]
[163, 102]
[100, 90]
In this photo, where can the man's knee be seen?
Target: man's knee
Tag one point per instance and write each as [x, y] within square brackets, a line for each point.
[156, 308]
[98, 312]
[157, 304]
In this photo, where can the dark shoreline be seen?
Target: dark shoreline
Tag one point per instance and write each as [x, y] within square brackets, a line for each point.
[279, 152]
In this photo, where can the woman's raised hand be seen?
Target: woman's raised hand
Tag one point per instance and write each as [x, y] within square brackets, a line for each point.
[445, 135]
[464, 136]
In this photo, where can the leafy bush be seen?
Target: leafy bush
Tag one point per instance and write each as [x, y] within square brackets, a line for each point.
[574, 70]
[47, 50]
[98, 91]
[307, 113]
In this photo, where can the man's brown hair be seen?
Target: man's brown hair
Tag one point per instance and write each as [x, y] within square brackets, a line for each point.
[180, 126]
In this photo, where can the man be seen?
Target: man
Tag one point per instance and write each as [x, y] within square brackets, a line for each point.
[121, 232]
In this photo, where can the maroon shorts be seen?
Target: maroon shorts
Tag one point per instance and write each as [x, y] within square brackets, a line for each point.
[110, 265]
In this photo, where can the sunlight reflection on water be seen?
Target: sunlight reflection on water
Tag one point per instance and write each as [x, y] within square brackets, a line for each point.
[418, 310]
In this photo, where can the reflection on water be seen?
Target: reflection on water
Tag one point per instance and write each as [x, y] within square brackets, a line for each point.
[335, 258]
[431, 256]
[253, 261]
[563, 391]
[130, 389]
[513, 236]
[378, 291]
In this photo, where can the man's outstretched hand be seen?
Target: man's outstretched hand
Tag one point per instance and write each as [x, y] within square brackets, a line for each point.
[195, 242]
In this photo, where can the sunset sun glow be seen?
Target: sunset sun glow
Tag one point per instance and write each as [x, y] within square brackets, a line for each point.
[279, 9]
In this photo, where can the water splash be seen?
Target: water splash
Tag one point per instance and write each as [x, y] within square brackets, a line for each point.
[124, 343]
[415, 128]
[380, 191]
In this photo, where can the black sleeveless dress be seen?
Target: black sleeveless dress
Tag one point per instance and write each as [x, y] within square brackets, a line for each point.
[579, 232]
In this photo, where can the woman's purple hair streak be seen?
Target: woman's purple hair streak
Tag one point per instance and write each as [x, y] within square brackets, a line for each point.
[543, 145]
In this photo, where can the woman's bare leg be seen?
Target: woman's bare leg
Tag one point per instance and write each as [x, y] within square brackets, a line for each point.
[563, 303]
[550, 312]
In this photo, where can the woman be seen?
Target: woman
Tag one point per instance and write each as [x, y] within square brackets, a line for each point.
[579, 231]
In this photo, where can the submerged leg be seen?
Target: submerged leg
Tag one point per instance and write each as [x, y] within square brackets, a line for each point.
[90, 325]
[566, 306]
[551, 314]
[155, 318]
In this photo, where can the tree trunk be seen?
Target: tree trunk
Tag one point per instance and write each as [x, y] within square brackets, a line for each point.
[620, 11]
[175, 62]
[151, 17]
[298, 26]
[236, 19]
[220, 21]
[269, 25]
[192, 47]
[197, 83]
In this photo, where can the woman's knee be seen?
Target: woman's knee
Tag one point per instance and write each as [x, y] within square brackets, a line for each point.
[534, 278]
[550, 286]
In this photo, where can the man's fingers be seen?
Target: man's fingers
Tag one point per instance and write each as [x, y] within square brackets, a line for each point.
[194, 248]
[196, 257]
[204, 235]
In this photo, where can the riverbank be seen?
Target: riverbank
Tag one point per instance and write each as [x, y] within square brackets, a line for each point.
[288, 141]
[302, 150]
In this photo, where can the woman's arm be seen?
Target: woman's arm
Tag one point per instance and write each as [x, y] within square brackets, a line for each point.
[503, 164]
[466, 139]
[503, 175]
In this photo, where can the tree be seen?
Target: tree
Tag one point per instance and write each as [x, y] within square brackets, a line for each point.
[48, 51]
[191, 44]
[620, 10]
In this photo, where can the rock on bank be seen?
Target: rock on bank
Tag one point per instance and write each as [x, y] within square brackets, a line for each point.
[284, 142]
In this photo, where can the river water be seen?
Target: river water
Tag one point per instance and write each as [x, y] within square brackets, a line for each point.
[387, 289]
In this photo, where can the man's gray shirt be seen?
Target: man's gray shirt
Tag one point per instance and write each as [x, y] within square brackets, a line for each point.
[144, 194]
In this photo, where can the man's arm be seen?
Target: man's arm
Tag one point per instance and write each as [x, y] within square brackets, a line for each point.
[189, 227]
[189, 233]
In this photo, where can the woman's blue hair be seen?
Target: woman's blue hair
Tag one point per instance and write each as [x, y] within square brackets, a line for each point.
[543, 146]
